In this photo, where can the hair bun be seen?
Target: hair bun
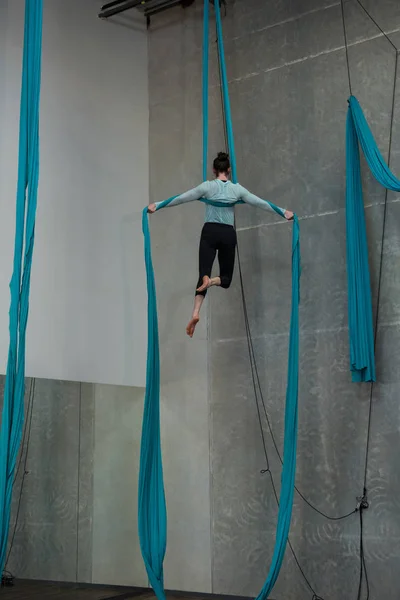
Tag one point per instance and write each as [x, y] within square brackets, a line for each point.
[223, 155]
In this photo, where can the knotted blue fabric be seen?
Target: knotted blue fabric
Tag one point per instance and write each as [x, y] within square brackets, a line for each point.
[361, 331]
[152, 507]
[28, 178]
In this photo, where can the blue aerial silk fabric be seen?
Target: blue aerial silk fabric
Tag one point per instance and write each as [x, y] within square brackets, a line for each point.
[361, 331]
[28, 178]
[152, 507]
[206, 26]
[152, 512]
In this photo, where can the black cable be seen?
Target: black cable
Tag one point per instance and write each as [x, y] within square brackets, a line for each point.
[252, 353]
[381, 258]
[289, 542]
[32, 395]
[267, 470]
[380, 28]
[256, 382]
[346, 46]
[363, 566]
[363, 502]
[78, 482]
[249, 340]
[25, 430]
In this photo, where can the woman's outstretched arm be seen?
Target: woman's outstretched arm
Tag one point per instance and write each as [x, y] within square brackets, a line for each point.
[254, 200]
[195, 194]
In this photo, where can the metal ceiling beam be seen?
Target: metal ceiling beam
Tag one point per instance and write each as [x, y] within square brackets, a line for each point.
[118, 6]
[111, 4]
[157, 8]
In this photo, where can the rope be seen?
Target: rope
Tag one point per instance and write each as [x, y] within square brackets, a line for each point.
[285, 502]
[254, 373]
[377, 25]
[345, 43]
[27, 431]
[389, 181]
[381, 264]
[152, 388]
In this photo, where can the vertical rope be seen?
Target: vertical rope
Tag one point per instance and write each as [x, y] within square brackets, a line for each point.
[346, 46]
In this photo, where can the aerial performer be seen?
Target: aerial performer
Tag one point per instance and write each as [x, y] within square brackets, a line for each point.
[218, 234]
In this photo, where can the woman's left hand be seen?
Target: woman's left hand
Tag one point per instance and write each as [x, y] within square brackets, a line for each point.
[289, 215]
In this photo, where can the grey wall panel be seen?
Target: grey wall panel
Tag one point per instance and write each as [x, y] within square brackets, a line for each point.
[244, 18]
[389, 308]
[289, 122]
[78, 505]
[359, 26]
[395, 38]
[186, 464]
[332, 428]
[386, 13]
[382, 522]
[290, 140]
[292, 41]
[289, 126]
[85, 490]
[174, 229]
[175, 152]
[116, 557]
[45, 545]
[382, 519]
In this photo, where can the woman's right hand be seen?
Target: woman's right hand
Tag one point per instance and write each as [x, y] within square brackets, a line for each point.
[151, 208]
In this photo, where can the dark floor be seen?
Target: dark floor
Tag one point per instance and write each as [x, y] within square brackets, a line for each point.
[27, 590]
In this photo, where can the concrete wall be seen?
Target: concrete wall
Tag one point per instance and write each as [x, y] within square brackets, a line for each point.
[78, 499]
[88, 303]
[175, 130]
[289, 86]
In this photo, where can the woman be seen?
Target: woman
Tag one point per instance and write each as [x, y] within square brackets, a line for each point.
[218, 234]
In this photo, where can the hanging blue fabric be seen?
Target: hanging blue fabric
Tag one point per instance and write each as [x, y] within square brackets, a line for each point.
[290, 434]
[361, 331]
[225, 91]
[152, 509]
[152, 513]
[206, 24]
[375, 160]
[28, 178]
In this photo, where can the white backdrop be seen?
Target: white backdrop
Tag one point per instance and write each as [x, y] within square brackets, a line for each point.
[88, 300]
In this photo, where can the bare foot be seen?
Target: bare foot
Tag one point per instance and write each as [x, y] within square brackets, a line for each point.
[192, 326]
[205, 285]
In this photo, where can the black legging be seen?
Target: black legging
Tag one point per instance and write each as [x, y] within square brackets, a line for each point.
[222, 238]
